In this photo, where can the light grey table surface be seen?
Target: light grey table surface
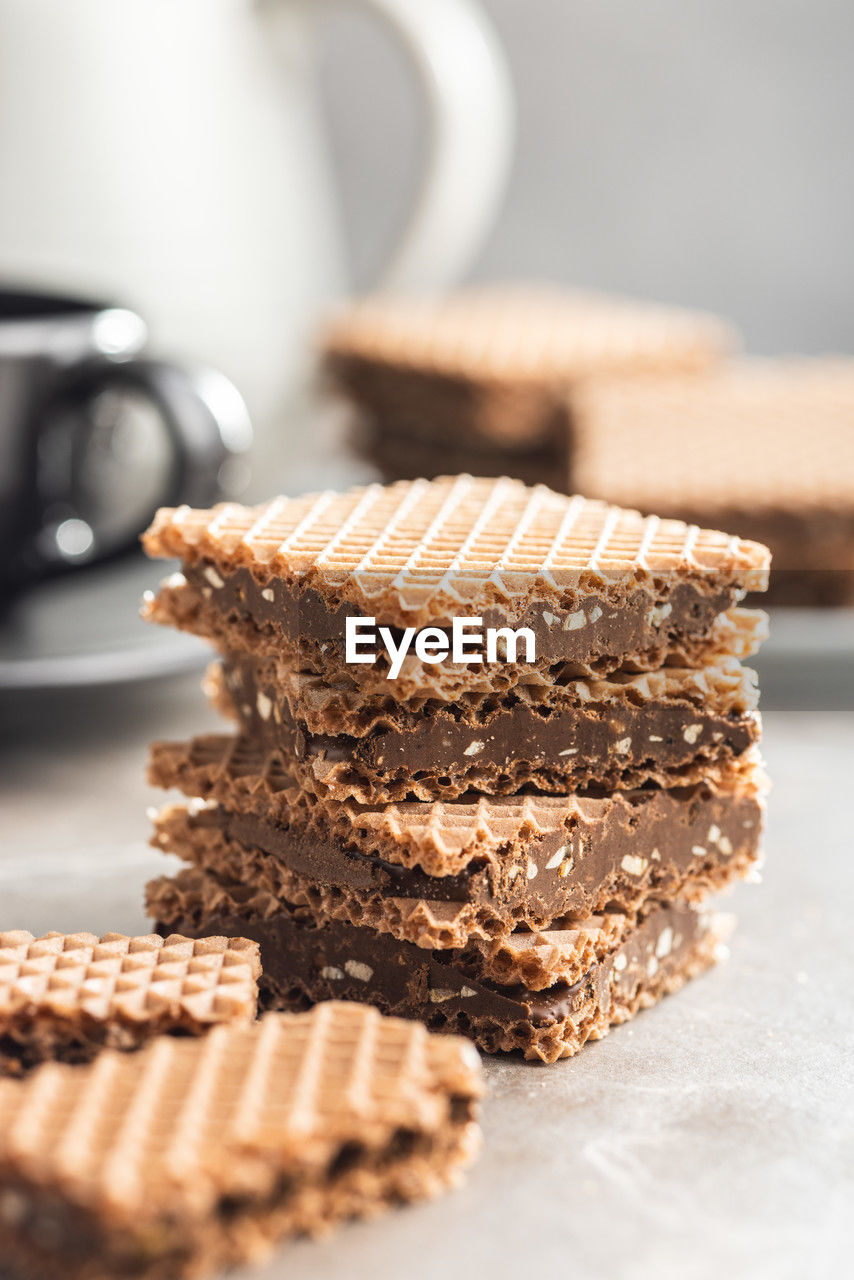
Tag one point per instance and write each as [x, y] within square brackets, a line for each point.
[712, 1137]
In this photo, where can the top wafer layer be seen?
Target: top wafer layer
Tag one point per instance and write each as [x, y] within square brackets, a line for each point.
[185, 1122]
[769, 435]
[421, 551]
[515, 334]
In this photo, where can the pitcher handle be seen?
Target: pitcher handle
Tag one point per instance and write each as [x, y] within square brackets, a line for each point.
[465, 78]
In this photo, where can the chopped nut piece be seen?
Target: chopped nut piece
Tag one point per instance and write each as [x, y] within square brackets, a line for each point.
[665, 942]
[557, 858]
[658, 613]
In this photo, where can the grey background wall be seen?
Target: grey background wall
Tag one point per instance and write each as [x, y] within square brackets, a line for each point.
[699, 151]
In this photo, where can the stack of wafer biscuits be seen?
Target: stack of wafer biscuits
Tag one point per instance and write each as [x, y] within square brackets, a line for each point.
[483, 380]
[765, 447]
[517, 848]
[196, 1153]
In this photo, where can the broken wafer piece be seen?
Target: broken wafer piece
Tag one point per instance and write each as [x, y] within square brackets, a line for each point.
[764, 447]
[306, 960]
[457, 874]
[67, 996]
[482, 378]
[196, 1154]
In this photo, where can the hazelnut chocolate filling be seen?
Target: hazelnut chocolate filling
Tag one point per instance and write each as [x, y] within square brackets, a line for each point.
[341, 962]
[651, 845]
[649, 619]
[606, 744]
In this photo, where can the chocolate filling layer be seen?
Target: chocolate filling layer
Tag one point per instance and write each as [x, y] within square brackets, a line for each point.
[590, 743]
[340, 962]
[643, 619]
[653, 842]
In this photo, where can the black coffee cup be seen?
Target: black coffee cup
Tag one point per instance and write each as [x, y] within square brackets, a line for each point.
[94, 437]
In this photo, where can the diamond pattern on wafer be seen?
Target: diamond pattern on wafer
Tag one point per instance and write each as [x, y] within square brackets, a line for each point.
[145, 1149]
[524, 333]
[69, 994]
[421, 550]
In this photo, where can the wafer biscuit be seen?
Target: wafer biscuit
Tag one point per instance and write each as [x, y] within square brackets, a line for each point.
[510, 333]
[555, 945]
[270, 689]
[196, 1154]
[736, 633]
[504, 865]
[764, 447]
[418, 553]
[492, 839]
[304, 963]
[67, 996]
[481, 376]
[670, 728]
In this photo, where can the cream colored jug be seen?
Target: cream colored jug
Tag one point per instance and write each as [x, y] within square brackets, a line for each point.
[168, 154]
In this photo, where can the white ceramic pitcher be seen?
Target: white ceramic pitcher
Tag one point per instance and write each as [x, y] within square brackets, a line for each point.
[167, 154]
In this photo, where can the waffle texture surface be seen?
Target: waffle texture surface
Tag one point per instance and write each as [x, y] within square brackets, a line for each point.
[533, 333]
[484, 938]
[422, 550]
[68, 995]
[304, 963]
[757, 435]
[294, 1121]
[440, 838]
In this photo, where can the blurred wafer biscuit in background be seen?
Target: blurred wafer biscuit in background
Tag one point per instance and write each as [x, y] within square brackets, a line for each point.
[477, 380]
[761, 447]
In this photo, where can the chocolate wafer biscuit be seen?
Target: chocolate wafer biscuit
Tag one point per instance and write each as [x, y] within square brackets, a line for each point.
[193, 1155]
[477, 934]
[599, 587]
[69, 995]
[305, 962]
[512, 864]
[484, 372]
[670, 727]
[443, 840]
[764, 447]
